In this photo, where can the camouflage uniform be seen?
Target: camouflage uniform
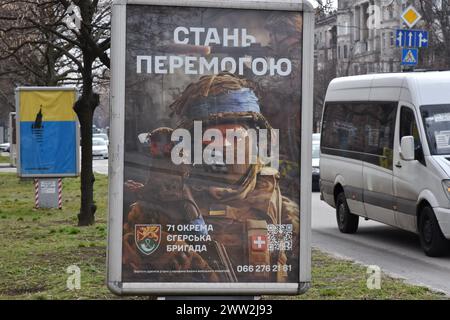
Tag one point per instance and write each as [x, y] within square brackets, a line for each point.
[240, 213]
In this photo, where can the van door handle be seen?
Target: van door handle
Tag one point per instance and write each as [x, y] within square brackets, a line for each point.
[398, 165]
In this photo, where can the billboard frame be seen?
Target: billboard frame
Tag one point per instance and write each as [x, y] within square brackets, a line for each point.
[116, 159]
[77, 137]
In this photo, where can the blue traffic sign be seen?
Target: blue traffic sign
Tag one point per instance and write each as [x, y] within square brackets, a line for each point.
[411, 38]
[410, 57]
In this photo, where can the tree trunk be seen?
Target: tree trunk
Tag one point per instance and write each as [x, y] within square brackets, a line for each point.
[84, 109]
[447, 55]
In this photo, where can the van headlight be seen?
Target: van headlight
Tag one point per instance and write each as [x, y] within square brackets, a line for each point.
[446, 186]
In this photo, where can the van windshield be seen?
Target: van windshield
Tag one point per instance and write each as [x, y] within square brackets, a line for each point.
[436, 121]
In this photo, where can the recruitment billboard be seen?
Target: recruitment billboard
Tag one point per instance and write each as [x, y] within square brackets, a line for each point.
[47, 130]
[211, 107]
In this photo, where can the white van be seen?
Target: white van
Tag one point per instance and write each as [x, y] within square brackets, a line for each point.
[385, 153]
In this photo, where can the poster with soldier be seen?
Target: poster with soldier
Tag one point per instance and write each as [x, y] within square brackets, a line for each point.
[212, 145]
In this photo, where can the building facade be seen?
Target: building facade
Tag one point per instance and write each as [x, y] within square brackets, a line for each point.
[325, 40]
[366, 36]
[360, 38]
[325, 57]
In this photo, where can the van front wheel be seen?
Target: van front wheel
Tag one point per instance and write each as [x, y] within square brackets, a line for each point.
[431, 238]
[347, 222]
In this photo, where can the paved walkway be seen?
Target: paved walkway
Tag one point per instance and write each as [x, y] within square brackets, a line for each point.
[6, 167]
[99, 166]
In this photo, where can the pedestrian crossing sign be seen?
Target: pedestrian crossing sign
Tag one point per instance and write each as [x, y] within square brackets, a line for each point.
[410, 57]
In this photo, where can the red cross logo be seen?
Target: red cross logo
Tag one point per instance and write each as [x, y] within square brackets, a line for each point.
[259, 243]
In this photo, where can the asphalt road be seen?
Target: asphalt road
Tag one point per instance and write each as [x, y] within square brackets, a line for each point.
[396, 252]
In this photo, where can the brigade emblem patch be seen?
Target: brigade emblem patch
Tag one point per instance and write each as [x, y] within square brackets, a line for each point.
[147, 237]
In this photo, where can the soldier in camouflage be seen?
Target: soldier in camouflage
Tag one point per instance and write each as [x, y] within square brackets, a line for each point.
[249, 230]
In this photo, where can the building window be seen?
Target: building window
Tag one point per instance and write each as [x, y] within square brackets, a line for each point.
[392, 39]
[357, 28]
[345, 52]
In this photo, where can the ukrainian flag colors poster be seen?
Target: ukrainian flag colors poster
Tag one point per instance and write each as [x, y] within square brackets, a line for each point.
[48, 132]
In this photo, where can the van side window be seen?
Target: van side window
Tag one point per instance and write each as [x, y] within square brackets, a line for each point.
[379, 131]
[341, 129]
[360, 130]
[408, 127]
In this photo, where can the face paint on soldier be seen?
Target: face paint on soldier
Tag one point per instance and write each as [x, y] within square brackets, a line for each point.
[231, 144]
[236, 150]
[236, 140]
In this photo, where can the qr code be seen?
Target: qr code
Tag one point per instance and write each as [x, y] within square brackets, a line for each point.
[279, 237]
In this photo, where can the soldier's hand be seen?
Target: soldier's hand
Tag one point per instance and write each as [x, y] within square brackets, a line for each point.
[192, 261]
[183, 261]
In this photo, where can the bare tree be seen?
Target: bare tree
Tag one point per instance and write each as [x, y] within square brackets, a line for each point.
[29, 54]
[75, 52]
[322, 79]
[324, 6]
[26, 55]
[437, 17]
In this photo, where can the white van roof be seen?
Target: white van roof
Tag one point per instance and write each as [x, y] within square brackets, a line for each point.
[418, 88]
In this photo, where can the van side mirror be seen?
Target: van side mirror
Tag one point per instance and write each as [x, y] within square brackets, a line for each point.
[407, 152]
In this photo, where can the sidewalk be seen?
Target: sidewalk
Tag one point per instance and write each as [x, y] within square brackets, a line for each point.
[100, 167]
[6, 168]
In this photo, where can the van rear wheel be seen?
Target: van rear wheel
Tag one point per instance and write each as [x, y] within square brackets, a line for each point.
[433, 242]
[347, 221]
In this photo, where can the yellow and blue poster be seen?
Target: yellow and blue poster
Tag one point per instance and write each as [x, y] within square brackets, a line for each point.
[48, 132]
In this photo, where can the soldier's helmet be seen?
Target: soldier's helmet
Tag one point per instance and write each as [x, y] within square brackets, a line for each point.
[224, 101]
[219, 98]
